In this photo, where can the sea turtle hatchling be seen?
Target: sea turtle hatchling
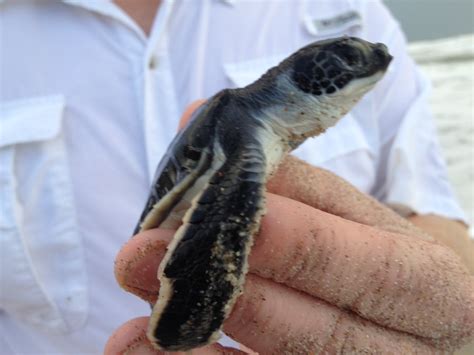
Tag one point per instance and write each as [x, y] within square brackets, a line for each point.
[212, 179]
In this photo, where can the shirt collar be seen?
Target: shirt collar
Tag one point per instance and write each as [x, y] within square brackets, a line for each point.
[106, 8]
[101, 4]
[110, 9]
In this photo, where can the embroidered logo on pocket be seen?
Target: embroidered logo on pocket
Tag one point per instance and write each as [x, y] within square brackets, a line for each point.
[336, 24]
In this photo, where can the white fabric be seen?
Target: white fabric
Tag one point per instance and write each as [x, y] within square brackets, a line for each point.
[89, 105]
[448, 62]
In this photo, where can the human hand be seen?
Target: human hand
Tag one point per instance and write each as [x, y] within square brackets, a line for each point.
[321, 283]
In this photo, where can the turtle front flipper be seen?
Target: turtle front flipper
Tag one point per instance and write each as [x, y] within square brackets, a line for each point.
[188, 158]
[203, 271]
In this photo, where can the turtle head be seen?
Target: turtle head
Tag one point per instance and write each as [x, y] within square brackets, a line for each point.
[324, 80]
[345, 66]
[316, 86]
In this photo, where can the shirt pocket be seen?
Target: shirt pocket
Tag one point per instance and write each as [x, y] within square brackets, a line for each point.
[246, 72]
[345, 149]
[346, 22]
[43, 277]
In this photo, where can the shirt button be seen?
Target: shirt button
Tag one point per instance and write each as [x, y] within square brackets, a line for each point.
[152, 63]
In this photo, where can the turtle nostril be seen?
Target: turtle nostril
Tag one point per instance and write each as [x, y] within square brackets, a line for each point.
[382, 47]
[381, 53]
[381, 50]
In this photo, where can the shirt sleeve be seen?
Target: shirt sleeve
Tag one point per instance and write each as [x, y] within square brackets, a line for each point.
[412, 172]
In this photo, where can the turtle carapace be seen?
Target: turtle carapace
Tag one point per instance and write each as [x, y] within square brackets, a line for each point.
[211, 182]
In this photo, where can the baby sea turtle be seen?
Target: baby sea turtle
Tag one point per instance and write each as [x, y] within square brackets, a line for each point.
[212, 179]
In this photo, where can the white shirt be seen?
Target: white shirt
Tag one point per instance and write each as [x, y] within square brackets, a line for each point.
[89, 105]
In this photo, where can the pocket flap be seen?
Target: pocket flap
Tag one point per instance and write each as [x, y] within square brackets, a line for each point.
[345, 137]
[30, 120]
[245, 73]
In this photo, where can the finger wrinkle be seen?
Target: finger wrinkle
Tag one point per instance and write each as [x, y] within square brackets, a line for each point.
[328, 192]
[268, 318]
[441, 290]
[352, 334]
[370, 300]
[328, 344]
[140, 346]
[397, 281]
[274, 319]
[297, 262]
[249, 311]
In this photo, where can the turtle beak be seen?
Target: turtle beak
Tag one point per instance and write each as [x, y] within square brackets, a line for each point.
[382, 57]
[377, 59]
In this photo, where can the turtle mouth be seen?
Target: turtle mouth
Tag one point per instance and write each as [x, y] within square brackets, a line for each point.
[378, 59]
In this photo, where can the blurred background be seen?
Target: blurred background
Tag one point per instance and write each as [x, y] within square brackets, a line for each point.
[431, 19]
[441, 40]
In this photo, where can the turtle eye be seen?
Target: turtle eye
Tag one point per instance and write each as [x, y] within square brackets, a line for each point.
[349, 55]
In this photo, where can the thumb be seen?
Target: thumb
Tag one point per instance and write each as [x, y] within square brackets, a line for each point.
[131, 339]
[189, 112]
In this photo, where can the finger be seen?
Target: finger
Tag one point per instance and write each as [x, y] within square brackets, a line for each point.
[130, 339]
[189, 112]
[397, 281]
[393, 280]
[136, 265]
[274, 319]
[328, 192]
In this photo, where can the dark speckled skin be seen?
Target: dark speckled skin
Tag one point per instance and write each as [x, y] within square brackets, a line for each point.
[206, 268]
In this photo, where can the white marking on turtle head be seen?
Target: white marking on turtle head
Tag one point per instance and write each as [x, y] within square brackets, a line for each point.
[305, 115]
